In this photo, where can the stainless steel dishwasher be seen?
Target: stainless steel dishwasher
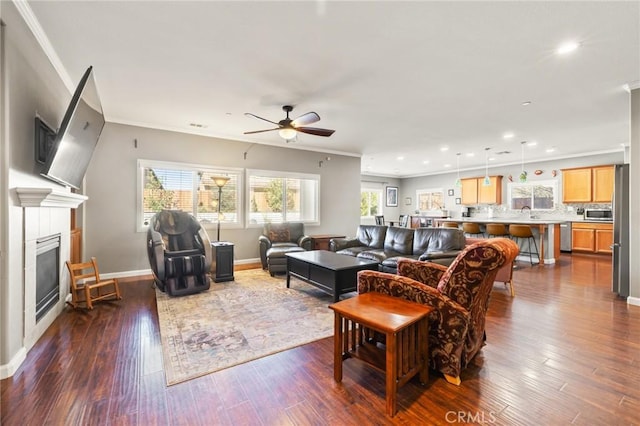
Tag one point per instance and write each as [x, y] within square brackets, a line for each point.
[565, 237]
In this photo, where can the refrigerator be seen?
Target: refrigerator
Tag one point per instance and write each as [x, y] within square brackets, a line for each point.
[620, 247]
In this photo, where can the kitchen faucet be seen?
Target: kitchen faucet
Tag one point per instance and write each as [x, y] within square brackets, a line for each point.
[525, 207]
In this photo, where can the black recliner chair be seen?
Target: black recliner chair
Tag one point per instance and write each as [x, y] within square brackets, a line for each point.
[179, 252]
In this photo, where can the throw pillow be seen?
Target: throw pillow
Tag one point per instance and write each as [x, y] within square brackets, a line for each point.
[280, 235]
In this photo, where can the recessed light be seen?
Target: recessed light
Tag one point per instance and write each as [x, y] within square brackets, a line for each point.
[508, 135]
[444, 148]
[447, 165]
[400, 158]
[425, 162]
[549, 150]
[471, 154]
[567, 47]
[526, 103]
[532, 143]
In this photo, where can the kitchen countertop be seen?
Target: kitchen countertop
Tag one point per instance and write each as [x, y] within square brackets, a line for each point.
[506, 220]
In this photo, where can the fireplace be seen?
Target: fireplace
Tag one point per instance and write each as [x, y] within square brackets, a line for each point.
[47, 274]
[46, 236]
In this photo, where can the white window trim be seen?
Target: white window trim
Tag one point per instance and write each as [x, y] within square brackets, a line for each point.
[279, 174]
[551, 182]
[428, 191]
[142, 164]
[380, 191]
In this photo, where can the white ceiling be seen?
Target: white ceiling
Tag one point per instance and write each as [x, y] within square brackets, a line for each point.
[394, 79]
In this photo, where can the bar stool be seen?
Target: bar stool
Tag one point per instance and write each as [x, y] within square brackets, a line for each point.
[450, 225]
[519, 232]
[497, 230]
[471, 229]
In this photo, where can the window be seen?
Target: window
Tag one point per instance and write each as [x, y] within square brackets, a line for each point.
[430, 199]
[276, 197]
[540, 195]
[370, 202]
[166, 185]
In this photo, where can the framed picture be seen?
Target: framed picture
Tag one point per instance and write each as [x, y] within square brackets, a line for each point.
[407, 201]
[392, 196]
[458, 200]
[450, 193]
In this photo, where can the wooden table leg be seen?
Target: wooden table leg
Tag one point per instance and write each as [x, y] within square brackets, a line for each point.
[391, 373]
[423, 349]
[338, 336]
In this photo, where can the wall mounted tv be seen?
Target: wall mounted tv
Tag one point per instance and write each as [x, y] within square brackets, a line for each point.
[68, 158]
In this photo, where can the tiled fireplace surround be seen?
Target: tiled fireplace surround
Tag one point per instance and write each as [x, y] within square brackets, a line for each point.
[46, 212]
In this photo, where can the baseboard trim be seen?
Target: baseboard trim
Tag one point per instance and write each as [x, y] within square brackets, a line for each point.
[635, 301]
[147, 272]
[8, 370]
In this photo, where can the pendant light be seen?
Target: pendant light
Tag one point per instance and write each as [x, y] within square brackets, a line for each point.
[458, 181]
[523, 173]
[487, 179]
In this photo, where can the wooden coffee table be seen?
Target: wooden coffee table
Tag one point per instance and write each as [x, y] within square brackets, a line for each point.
[406, 327]
[333, 273]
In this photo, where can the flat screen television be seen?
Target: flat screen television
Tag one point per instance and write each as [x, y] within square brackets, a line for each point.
[70, 153]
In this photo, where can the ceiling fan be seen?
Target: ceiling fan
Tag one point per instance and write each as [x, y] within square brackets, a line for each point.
[289, 128]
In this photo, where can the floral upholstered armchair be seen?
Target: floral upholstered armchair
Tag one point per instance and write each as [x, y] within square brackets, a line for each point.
[459, 295]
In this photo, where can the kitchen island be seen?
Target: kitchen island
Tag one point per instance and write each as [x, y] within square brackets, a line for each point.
[547, 230]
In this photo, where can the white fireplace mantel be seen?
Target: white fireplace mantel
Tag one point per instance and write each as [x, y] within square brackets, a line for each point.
[49, 197]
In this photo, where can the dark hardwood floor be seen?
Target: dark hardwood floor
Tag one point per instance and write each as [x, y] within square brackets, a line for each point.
[565, 350]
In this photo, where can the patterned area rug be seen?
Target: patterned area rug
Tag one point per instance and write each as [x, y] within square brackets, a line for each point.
[239, 321]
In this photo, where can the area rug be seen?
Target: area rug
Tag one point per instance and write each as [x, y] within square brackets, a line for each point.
[239, 321]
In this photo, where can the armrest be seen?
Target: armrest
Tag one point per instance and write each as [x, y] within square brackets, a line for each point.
[265, 244]
[445, 309]
[336, 244]
[439, 255]
[305, 242]
[428, 273]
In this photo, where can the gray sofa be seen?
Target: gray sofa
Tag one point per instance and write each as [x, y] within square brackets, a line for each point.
[387, 244]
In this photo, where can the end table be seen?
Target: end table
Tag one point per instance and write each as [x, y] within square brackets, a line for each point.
[222, 261]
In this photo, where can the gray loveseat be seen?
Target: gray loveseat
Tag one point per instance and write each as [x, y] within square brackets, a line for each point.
[387, 244]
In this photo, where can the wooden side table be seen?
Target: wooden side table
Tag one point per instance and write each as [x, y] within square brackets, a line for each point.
[321, 241]
[405, 325]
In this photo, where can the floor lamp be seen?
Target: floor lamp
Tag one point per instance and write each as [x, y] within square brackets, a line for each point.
[220, 181]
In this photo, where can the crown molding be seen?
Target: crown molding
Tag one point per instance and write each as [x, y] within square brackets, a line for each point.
[634, 85]
[41, 37]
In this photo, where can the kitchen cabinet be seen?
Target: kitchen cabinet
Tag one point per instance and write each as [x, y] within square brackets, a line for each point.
[475, 192]
[469, 191]
[603, 182]
[588, 184]
[592, 237]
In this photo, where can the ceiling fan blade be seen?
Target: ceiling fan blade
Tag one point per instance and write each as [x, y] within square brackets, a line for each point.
[315, 131]
[260, 131]
[260, 118]
[304, 119]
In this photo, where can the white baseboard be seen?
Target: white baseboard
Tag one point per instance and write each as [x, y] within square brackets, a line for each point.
[8, 370]
[142, 272]
[633, 301]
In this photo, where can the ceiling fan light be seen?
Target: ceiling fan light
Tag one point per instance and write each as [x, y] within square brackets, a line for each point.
[287, 133]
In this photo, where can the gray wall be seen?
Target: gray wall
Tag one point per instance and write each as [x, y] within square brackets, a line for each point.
[110, 213]
[30, 86]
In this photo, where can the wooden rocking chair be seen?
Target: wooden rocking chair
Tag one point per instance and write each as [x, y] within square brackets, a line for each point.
[87, 287]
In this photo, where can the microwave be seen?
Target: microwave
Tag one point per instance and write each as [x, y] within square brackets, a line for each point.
[598, 214]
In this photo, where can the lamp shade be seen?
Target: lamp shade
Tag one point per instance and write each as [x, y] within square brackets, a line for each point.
[220, 181]
[287, 133]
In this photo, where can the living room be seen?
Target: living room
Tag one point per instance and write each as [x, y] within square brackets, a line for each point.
[32, 86]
